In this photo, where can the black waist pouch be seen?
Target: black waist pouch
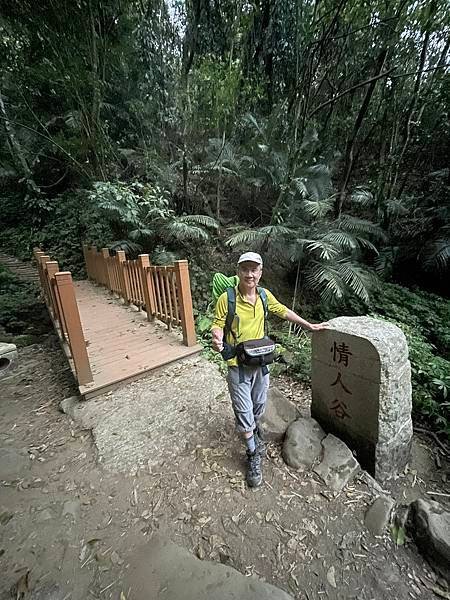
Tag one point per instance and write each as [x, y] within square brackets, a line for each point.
[254, 353]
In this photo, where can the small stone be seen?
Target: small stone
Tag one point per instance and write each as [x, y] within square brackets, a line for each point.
[45, 515]
[302, 445]
[115, 558]
[338, 465]
[429, 524]
[331, 577]
[378, 515]
[68, 405]
[13, 463]
[279, 414]
[72, 508]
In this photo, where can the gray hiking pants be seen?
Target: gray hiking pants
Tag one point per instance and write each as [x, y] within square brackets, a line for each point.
[248, 390]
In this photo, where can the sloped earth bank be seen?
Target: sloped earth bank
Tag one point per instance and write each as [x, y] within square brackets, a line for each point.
[81, 496]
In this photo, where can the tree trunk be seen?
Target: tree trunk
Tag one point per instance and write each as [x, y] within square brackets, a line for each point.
[350, 148]
[413, 102]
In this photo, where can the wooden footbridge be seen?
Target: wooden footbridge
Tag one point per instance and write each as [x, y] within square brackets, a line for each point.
[128, 318]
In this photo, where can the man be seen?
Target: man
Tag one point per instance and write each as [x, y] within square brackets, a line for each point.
[248, 385]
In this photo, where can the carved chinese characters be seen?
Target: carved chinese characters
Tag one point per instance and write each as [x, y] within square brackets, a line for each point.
[361, 391]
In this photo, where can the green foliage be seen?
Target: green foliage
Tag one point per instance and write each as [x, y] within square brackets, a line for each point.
[23, 317]
[142, 214]
[295, 349]
[72, 219]
[425, 320]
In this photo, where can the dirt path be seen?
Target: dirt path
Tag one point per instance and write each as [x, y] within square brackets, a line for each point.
[70, 524]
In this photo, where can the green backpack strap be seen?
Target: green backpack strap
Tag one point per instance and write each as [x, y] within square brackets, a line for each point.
[231, 313]
[263, 296]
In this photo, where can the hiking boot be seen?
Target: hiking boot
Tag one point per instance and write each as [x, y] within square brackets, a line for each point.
[259, 440]
[254, 474]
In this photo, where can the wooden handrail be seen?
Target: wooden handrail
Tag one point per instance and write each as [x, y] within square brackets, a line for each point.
[164, 291]
[64, 285]
[59, 295]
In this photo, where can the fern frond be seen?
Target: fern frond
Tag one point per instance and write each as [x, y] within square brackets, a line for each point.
[203, 220]
[247, 236]
[362, 197]
[317, 208]
[360, 227]
[180, 230]
[341, 239]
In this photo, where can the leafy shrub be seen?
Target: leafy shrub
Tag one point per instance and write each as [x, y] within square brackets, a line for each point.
[23, 317]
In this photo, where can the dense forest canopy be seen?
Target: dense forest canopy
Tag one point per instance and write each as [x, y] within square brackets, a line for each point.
[316, 131]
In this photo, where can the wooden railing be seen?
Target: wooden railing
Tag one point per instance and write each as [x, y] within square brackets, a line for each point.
[163, 292]
[59, 295]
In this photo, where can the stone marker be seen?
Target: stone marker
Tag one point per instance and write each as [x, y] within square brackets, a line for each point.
[302, 444]
[8, 359]
[361, 391]
[338, 464]
[429, 524]
[161, 569]
[279, 414]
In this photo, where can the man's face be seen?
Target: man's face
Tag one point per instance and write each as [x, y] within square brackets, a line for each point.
[249, 273]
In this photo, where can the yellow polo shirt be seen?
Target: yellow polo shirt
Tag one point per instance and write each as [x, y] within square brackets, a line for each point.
[250, 322]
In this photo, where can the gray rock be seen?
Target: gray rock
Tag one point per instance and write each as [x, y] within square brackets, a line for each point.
[14, 463]
[378, 515]
[8, 359]
[279, 414]
[429, 524]
[338, 465]
[302, 445]
[160, 569]
[69, 405]
[361, 391]
[72, 508]
[45, 515]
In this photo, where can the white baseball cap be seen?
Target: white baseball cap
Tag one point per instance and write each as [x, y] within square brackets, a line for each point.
[250, 257]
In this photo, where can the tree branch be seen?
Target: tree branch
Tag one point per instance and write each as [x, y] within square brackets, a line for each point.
[350, 89]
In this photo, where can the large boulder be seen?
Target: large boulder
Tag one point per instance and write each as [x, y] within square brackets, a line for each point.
[161, 569]
[302, 444]
[429, 524]
[338, 464]
[279, 414]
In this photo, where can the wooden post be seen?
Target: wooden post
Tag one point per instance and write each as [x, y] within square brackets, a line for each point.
[184, 293]
[105, 255]
[87, 262]
[74, 329]
[44, 258]
[147, 285]
[37, 257]
[52, 269]
[93, 256]
[124, 282]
